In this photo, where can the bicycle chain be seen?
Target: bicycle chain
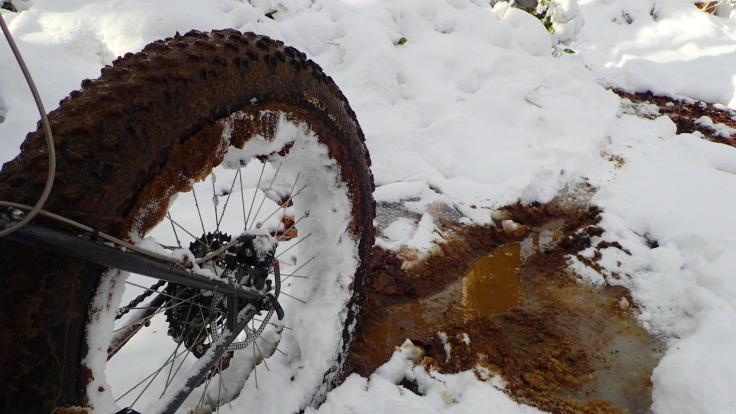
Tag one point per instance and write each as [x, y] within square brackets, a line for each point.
[135, 302]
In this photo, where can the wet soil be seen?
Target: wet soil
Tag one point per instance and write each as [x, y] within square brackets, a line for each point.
[685, 113]
[505, 302]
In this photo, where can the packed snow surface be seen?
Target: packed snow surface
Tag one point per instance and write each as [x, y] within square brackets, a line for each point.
[471, 107]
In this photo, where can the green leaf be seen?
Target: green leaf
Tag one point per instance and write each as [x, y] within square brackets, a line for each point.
[401, 41]
[569, 51]
[271, 13]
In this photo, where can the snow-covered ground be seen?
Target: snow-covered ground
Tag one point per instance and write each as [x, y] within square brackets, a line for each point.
[476, 108]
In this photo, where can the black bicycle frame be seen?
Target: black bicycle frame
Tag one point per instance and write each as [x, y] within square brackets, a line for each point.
[93, 251]
[96, 252]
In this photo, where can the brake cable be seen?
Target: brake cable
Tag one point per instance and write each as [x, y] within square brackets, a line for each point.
[47, 128]
[38, 207]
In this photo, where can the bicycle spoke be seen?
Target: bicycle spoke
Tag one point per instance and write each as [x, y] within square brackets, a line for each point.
[219, 387]
[255, 343]
[204, 392]
[191, 235]
[158, 371]
[286, 203]
[146, 378]
[273, 324]
[255, 362]
[158, 312]
[121, 341]
[142, 320]
[199, 212]
[305, 263]
[291, 197]
[265, 193]
[296, 276]
[222, 386]
[171, 374]
[215, 201]
[176, 235]
[170, 296]
[273, 345]
[253, 202]
[293, 245]
[298, 269]
[186, 353]
[242, 197]
[227, 200]
[293, 297]
[217, 252]
[286, 231]
[144, 307]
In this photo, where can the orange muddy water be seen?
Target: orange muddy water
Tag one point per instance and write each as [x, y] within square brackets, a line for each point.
[492, 284]
[507, 302]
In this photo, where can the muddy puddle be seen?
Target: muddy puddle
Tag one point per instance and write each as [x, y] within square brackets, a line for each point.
[506, 301]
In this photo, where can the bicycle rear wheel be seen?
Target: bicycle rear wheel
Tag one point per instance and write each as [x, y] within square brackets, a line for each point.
[235, 122]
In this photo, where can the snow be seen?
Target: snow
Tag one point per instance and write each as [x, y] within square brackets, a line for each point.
[677, 194]
[719, 129]
[474, 111]
[663, 46]
[439, 393]
[446, 345]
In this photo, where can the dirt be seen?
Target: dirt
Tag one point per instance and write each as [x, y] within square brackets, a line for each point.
[508, 305]
[685, 112]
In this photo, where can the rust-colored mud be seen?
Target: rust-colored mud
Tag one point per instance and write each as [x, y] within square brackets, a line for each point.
[508, 304]
[686, 112]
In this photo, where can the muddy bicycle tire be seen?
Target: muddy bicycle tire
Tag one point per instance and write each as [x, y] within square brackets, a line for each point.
[151, 125]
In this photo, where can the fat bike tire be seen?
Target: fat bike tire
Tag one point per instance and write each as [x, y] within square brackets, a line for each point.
[150, 126]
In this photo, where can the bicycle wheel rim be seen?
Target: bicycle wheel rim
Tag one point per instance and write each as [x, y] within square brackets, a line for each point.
[318, 268]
